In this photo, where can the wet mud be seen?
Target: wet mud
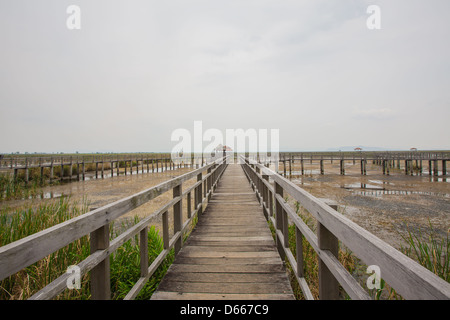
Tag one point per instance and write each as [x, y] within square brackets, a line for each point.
[385, 205]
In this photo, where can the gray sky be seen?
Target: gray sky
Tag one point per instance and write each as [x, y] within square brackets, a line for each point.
[137, 70]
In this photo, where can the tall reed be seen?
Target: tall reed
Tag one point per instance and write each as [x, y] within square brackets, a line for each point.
[124, 262]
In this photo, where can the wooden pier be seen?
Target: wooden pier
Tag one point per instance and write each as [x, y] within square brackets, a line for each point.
[409, 162]
[78, 167]
[230, 254]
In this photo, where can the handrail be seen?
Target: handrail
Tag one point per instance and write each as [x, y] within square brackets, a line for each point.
[406, 276]
[24, 252]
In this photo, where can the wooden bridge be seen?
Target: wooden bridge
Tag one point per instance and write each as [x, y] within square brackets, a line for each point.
[230, 254]
[76, 166]
[409, 161]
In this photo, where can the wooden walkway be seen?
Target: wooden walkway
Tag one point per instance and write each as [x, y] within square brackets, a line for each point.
[231, 253]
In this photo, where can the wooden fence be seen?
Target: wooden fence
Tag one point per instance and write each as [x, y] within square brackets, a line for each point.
[100, 164]
[407, 277]
[22, 253]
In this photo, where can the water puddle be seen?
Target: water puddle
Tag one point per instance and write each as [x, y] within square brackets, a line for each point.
[379, 193]
[362, 186]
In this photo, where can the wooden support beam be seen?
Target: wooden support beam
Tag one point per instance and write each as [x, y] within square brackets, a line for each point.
[279, 220]
[100, 274]
[143, 249]
[328, 285]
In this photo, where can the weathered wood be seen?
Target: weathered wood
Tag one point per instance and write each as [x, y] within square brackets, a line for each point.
[177, 216]
[328, 285]
[19, 254]
[161, 295]
[100, 274]
[143, 250]
[230, 251]
[401, 272]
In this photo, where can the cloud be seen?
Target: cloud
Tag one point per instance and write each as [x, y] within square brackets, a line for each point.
[141, 69]
[377, 114]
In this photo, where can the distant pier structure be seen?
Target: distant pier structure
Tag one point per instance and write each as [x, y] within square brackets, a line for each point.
[410, 162]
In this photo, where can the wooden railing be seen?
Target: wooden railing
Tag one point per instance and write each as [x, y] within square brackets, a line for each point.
[22, 253]
[408, 278]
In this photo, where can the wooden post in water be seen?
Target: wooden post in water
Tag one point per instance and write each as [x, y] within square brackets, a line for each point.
[444, 168]
[78, 169]
[42, 170]
[71, 168]
[84, 169]
[321, 166]
[342, 167]
[26, 171]
[290, 167]
[430, 167]
[436, 168]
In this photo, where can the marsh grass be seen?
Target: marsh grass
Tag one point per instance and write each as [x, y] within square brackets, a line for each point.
[310, 258]
[311, 263]
[124, 262]
[429, 249]
[11, 188]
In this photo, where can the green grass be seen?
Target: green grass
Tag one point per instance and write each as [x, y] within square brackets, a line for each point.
[124, 262]
[429, 249]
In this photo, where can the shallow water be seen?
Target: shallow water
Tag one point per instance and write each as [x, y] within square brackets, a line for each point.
[382, 204]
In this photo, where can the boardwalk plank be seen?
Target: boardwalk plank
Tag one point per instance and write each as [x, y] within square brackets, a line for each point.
[231, 253]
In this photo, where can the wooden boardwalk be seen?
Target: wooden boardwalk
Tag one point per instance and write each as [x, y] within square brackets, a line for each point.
[231, 253]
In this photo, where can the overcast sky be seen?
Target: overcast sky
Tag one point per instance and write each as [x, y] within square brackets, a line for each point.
[138, 70]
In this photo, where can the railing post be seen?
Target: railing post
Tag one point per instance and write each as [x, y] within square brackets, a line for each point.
[279, 220]
[266, 196]
[257, 184]
[209, 184]
[177, 218]
[165, 223]
[100, 274]
[328, 285]
[198, 195]
[299, 249]
[189, 205]
[143, 247]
